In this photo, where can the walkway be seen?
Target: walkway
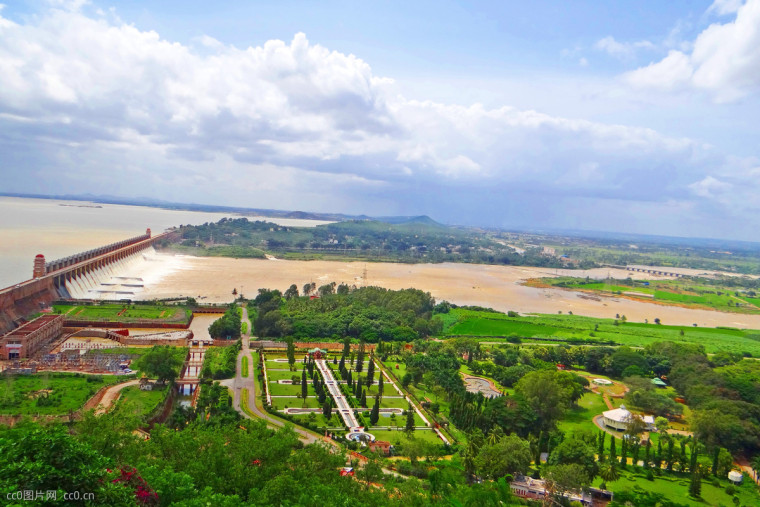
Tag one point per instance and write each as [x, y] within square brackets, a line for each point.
[239, 383]
[111, 395]
[344, 409]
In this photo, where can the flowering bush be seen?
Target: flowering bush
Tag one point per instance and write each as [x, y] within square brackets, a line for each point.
[128, 477]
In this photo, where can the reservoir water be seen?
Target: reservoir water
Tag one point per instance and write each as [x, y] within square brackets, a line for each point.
[57, 228]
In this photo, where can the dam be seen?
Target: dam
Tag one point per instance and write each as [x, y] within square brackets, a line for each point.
[78, 276]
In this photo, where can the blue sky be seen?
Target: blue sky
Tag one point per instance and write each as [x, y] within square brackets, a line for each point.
[623, 116]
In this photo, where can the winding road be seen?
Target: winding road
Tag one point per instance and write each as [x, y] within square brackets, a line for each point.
[240, 382]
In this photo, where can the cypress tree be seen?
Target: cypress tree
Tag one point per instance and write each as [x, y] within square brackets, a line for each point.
[380, 385]
[346, 347]
[291, 352]
[715, 461]
[327, 409]
[682, 457]
[364, 398]
[694, 454]
[671, 453]
[613, 452]
[371, 371]
[648, 454]
[658, 458]
[600, 451]
[304, 387]
[624, 453]
[374, 416]
[695, 486]
[410, 418]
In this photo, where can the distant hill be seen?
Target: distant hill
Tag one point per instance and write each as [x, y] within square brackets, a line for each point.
[420, 220]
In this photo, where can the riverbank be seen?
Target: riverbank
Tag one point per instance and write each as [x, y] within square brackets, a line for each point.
[212, 279]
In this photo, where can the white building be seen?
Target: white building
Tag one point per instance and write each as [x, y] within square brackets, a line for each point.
[619, 418]
[735, 476]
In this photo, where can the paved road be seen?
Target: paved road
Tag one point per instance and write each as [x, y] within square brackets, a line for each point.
[240, 382]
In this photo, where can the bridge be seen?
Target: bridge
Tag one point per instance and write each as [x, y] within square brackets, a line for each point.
[49, 279]
[646, 270]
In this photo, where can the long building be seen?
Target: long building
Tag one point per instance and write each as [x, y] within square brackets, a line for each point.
[28, 339]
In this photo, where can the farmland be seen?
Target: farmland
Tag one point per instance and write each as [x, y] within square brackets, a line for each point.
[726, 295]
[579, 330]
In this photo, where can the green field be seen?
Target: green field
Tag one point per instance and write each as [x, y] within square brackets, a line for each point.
[581, 417]
[49, 393]
[574, 328]
[684, 292]
[133, 401]
[676, 487]
[124, 313]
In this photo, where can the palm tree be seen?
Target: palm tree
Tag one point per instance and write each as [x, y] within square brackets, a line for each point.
[608, 472]
[495, 435]
[756, 465]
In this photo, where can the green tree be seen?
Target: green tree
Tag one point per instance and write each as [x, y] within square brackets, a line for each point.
[371, 370]
[409, 419]
[380, 386]
[327, 409]
[575, 450]
[510, 455]
[40, 458]
[546, 396]
[291, 292]
[161, 363]
[304, 386]
[291, 352]
[374, 416]
[364, 398]
[608, 471]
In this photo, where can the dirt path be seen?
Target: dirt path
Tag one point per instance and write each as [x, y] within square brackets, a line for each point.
[111, 395]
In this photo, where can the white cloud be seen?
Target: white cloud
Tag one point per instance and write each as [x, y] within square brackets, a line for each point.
[622, 50]
[293, 124]
[724, 7]
[724, 61]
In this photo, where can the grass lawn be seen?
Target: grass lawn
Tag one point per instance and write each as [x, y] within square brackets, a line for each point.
[133, 401]
[280, 403]
[25, 394]
[123, 312]
[396, 437]
[276, 389]
[274, 376]
[675, 486]
[244, 366]
[334, 422]
[581, 418]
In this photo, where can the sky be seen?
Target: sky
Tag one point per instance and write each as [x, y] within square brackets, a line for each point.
[637, 117]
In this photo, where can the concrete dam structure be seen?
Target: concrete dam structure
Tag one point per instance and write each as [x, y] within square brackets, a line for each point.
[71, 277]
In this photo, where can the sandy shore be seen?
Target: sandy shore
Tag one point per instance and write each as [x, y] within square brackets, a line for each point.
[499, 287]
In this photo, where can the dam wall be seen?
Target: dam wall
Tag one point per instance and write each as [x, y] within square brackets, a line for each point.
[74, 276]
